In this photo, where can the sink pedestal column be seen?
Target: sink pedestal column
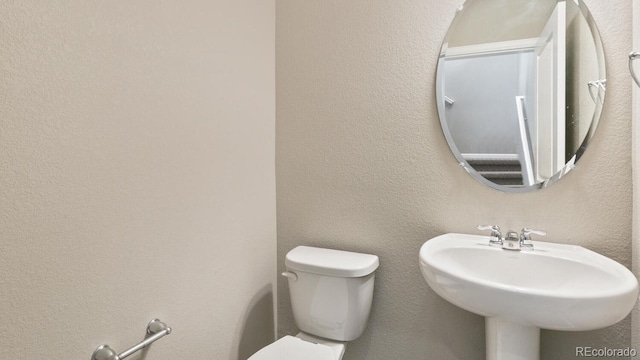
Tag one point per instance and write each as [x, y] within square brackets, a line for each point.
[511, 341]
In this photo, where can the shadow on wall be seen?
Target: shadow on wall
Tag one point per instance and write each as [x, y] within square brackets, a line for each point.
[257, 329]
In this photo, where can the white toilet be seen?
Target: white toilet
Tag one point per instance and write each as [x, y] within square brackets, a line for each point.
[331, 293]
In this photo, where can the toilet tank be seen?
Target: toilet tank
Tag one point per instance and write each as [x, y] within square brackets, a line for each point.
[331, 292]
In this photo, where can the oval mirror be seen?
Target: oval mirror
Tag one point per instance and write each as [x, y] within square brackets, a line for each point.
[520, 87]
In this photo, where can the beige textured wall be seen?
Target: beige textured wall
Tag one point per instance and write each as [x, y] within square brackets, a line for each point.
[362, 165]
[137, 176]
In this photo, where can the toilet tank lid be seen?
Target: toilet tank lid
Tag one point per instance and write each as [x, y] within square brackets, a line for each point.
[331, 262]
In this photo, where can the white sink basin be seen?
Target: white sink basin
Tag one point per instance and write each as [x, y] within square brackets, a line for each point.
[555, 286]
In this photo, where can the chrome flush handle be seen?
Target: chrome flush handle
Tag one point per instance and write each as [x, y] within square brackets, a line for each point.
[291, 275]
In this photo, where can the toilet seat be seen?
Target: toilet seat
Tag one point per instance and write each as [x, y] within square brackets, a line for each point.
[293, 348]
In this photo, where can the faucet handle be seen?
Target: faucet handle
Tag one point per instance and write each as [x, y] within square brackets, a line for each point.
[526, 233]
[525, 237]
[495, 239]
[495, 228]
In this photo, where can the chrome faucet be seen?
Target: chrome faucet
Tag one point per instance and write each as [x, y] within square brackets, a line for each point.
[511, 241]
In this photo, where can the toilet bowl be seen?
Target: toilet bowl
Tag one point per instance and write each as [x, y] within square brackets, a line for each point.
[302, 346]
[331, 294]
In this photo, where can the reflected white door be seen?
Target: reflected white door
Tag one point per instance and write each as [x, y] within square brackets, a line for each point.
[551, 68]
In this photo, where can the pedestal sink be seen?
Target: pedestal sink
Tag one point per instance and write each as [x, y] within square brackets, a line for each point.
[554, 286]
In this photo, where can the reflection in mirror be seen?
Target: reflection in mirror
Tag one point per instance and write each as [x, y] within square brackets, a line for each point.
[520, 89]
